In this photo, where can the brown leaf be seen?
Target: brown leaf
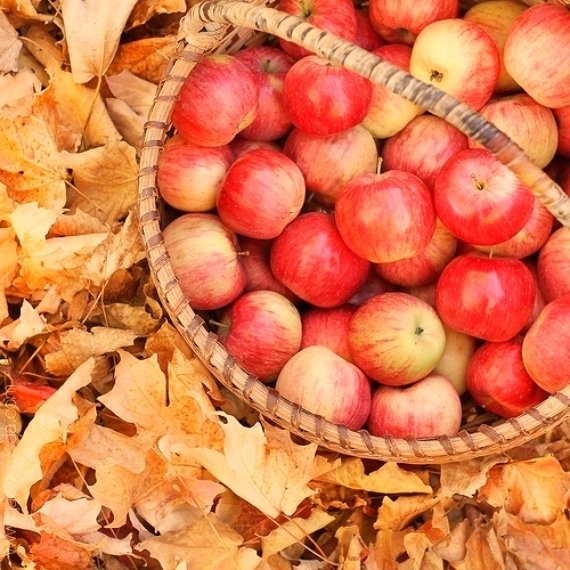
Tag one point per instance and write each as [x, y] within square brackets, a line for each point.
[386, 550]
[9, 257]
[352, 550]
[23, 7]
[17, 92]
[10, 46]
[398, 513]
[467, 477]
[54, 553]
[146, 9]
[482, 551]
[453, 548]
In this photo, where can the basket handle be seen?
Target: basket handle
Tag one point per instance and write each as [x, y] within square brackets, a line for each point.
[380, 72]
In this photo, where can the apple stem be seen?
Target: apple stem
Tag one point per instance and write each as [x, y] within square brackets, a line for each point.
[379, 165]
[436, 75]
[218, 324]
[243, 253]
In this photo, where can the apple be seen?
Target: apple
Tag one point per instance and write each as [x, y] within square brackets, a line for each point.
[459, 348]
[323, 99]
[373, 285]
[422, 147]
[400, 21]
[270, 66]
[536, 54]
[385, 217]
[428, 408]
[458, 57]
[328, 327]
[335, 16]
[189, 176]
[529, 239]
[498, 381]
[424, 292]
[539, 301]
[204, 258]
[366, 37]
[255, 260]
[311, 259]
[529, 124]
[562, 115]
[546, 346]
[490, 298]
[261, 193]
[496, 17]
[479, 199]
[326, 384]
[240, 146]
[426, 265]
[396, 338]
[554, 265]
[389, 113]
[341, 157]
[262, 330]
[217, 82]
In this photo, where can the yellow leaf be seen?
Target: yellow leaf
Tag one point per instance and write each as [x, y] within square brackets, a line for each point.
[9, 257]
[483, 551]
[351, 547]
[17, 91]
[23, 7]
[146, 9]
[467, 477]
[398, 513]
[32, 223]
[29, 324]
[92, 32]
[10, 46]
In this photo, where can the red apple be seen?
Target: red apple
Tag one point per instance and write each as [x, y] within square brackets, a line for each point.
[189, 176]
[428, 408]
[426, 265]
[536, 53]
[373, 286]
[336, 16]
[385, 217]
[329, 162]
[366, 37]
[539, 301]
[424, 292]
[554, 265]
[479, 199]
[562, 115]
[323, 99]
[270, 65]
[396, 338]
[255, 260]
[422, 147]
[328, 327]
[529, 124]
[203, 254]
[240, 146]
[402, 20]
[389, 113]
[498, 381]
[458, 57]
[261, 193]
[262, 330]
[490, 298]
[496, 17]
[311, 259]
[546, 346]
[218, 100]
[326, 384]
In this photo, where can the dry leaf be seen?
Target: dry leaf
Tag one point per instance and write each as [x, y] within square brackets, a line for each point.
[9, 257]
[396, 514]
[483, 551]
[10, 46]
[31, 223]
[55, 553]
[92, 32]
[467, 477]
[146, 9]
[351, 548]
[29, 324]
[385, 551]
[17, 93]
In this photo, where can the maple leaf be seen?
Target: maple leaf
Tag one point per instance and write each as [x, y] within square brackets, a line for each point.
[10, 45]
[146, 9]
[9, 257]
[29, 324]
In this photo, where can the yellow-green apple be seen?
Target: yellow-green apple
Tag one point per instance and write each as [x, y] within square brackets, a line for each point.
[270, 65]
[262, 330]
[546, 346]
[496, 17]
[389, 113]
[324, 99]
[459, 348]
[366, 37]
[261, 193]
[255, 260]
[490, 298]
[400, 21]
[479, 199]
[329, 162]
[527, 240]
[396, 338]
[426, 265]
[311, 259]
[326, 384]
[385, 217]
[328, 327]
[498, 381]
[240, 145]
[373, 285]
[422, 147]
[554, 265]
[218, 100]
[458, 57]
[536, 54]
[429, 408]
[204, 257]
[189, 176]
[531, 125]
[335, 16]
[562, 115]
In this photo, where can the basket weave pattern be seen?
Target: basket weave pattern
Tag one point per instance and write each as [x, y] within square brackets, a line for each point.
[220, 26]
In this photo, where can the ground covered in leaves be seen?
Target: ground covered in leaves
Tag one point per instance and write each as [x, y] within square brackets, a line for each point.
[118, 450]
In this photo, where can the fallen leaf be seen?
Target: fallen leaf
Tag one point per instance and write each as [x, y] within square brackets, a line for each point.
[31, 223]
[10, 46]
[55, 553]
[386, 550]
[467, 477]
[28, 396]
[77, 223]
[9, 257]
[396, 514]
[482, 551]
[452, 548]
[23, 7]
[146, 9]
[92, 32]
[29, 324]
[17, 93]
[352, 550]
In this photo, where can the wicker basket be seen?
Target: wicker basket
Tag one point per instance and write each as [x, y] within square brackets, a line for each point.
[226, 26]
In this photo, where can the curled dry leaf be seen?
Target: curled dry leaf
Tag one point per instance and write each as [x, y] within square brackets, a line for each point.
[146, 9]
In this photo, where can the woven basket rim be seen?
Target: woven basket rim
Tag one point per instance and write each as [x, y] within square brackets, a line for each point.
[487, 440]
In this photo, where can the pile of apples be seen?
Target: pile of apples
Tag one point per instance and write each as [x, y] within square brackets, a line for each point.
[365, 256]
